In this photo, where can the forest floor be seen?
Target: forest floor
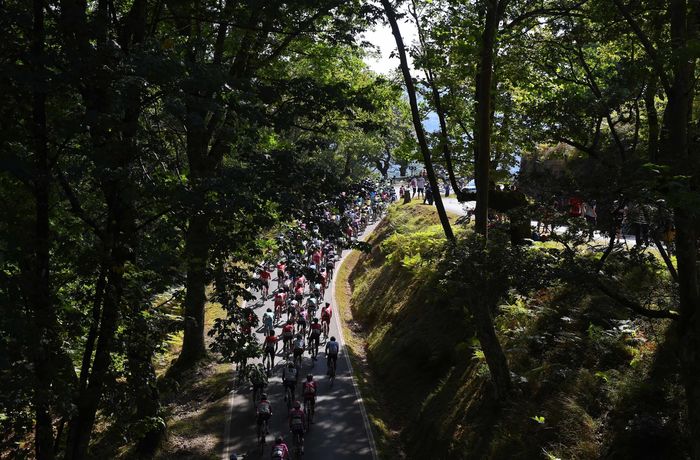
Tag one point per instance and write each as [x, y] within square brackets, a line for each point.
[196, 414]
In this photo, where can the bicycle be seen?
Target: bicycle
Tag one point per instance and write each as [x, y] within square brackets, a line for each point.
[289, 392]
[331, 371]
[309, 409]
[263, 429]
[298, 359]
[324, 328]
[298, 446]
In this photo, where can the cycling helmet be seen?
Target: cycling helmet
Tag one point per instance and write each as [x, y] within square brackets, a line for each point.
[298, 336]
[263, 397]
[315, 320]
[279, 439]
[328, 304]
[269, 310]
[290, 364]
[309, 377]
[332, 339]
[294, 302]
[297, 405]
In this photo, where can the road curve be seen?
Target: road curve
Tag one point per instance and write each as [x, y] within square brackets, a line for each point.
[341, 429]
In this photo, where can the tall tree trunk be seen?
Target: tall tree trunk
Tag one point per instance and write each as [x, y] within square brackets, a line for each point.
[40, 291]
[417, 123]
[437, 100]
[197, 254]
[678, 115]
[482, 133]
[142, 381]
[444, 138]
[80, 427]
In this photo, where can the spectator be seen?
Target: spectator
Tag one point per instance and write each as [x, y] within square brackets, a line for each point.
[589, 212]
[447, 189]
[414, 184]
[420, 182]
[428, 199]
[575, 205]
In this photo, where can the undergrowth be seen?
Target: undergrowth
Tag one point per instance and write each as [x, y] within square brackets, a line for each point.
[591, 380]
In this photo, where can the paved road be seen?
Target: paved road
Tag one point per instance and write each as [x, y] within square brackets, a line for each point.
[340, 431]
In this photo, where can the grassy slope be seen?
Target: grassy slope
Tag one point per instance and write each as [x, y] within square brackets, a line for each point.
[587, 386]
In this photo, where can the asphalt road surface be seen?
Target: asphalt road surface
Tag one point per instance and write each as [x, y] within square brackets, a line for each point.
[340, 430]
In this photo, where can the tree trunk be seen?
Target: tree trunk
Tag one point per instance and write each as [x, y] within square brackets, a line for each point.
[491, 346]
[80, 428]
[482, 133]
[417, 123]
[197, 254]
[40, 291]
[142, 380]
[444, 141]
[677, 119]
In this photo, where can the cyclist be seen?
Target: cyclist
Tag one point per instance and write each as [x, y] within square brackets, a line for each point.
[281, 275]
[280, 451]
[316, 257]
[271, 344]
[326, 314]
[301, 321]
[324, 282]
[265, 277]
[311, 304]
[309, 390]
[257, 377]
[289, 379]
[297, 422]
[263, 411]
[292, 309]
[287, 333]
[280, 302]
[299, 284]
[268, 320]
[332, 349]
[314, 337]
[330, 266]
[299, 347]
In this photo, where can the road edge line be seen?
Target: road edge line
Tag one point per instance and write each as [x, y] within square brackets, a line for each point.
[346, 355]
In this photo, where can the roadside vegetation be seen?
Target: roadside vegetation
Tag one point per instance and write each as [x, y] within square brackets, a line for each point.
[590, 379]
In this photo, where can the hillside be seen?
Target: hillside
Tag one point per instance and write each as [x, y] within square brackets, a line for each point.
[592, 381]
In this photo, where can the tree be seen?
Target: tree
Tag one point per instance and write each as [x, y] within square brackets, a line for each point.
[417, 123]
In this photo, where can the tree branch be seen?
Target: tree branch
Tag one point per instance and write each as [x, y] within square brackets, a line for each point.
[647, 45]
[76, 207]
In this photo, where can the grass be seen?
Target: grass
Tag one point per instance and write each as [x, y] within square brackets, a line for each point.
[579, 379]
[379, 413]
[196, 408]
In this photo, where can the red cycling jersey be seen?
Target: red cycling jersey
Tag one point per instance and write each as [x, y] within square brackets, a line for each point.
[316, 327]
[271, 340]
[316, 257]
[326, 314]
[288, 329]
[265, 275]
[310, 390]
[280, 299]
